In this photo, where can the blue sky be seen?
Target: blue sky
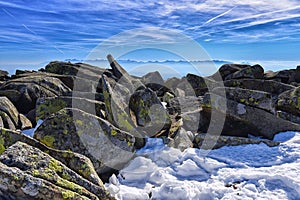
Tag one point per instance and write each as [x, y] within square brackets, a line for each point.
[264, 31]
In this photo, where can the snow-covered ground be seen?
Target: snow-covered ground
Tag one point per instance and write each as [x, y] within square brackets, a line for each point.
[240, 172]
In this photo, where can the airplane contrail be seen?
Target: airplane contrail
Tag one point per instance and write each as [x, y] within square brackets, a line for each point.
[218, 16]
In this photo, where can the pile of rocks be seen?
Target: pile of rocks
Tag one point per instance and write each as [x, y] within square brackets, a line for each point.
[94, 119]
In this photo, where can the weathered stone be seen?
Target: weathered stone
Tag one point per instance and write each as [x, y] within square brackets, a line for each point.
[8, 107]
[288, 116]
[148, 112]
[24, 122]
[172, 83]
[273, 87]
[183, 140]
[123, 77]
[77, 162]
[23, 92]
[254, 98]
[75, 130]
[47, 106]
[7, 122]
[254, 121]
[40, 165]
[227, 69]
[221, 141]
[200, 85]
[153, 77]
[184, 104]
[251, 72]
[289, 101]
[3, 75]
[16, 184]
[283, 76]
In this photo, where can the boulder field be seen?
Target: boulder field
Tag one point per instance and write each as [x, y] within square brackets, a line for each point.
[89, 121]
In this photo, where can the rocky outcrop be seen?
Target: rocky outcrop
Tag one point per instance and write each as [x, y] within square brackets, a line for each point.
[289, 101]
[153, 77]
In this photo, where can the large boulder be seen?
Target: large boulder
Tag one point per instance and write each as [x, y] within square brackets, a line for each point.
[252, 120]
[148, 112]
[252, 72]
[254, 98]
[77, 162]
[38, 164]
[23, 92]
[273, 87]
[182, 140]
[239, 71]
[289, 101]
[3, 75]
[283, 76]
[153, 77]
[108, 147]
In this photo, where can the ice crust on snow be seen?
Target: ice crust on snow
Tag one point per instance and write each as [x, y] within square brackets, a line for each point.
[238, 172]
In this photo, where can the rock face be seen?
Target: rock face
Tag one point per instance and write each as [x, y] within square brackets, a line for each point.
[75, 130]
[289, 101]
[153, 77]
[38, 165]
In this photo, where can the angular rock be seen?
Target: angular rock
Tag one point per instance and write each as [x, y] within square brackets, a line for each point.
[221, 141]
[251, 72]
[3, 75]
[172, 83]
[7, 122]
[148, 112]
[254, 98]
[23, 92]
[122, 76]
[24, 122]
[254, 121]
[289, 102]
[8, 107]
[200, 85]
[283, 76]
[77, 162]
[40, 165]
[228, 69]
[183, 140]
[153, 77]
[75, 130]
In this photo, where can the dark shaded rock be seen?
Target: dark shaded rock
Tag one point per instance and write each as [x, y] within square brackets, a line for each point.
[148, 112]
[297, 75]
[221, 141]
[23, 92]
[160, 90]
[40, 165]
[228, 69]
[289, 101]
[251, 72]
[184, 104]
[283, 76]
[153, 77]
[6, 121]
[77, 162]
[200, 85]
[172, 83]
[47, 106]
[3, 75]
[253, 121]
[273, 87]
[288, 116]
[254, 98]
[71, 129]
